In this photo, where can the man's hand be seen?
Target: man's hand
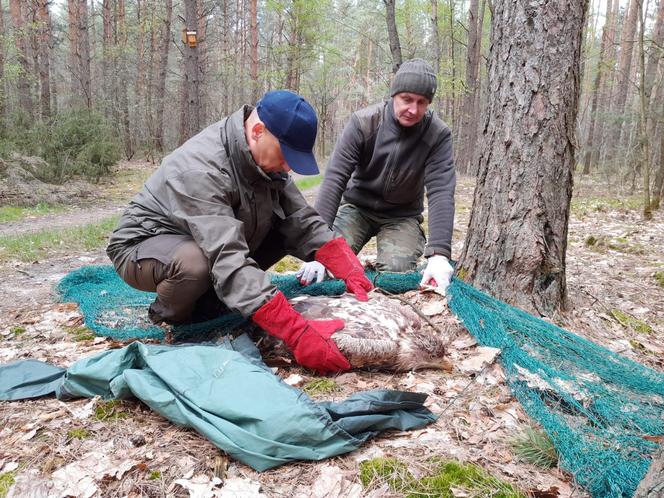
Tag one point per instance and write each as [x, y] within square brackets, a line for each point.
[309, 340]
[310, 272]
[438, 272]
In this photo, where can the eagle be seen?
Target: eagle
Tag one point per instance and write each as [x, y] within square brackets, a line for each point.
[381, 334]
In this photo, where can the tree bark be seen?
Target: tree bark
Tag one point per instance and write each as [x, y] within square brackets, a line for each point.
[596, 92]
[20, 35]
[191, 111]
[393, 34]
[44, 30]
[468, 117]
[121, 70]
[79, 51]
[643, 101]
[652, 485]
[255, 89]
[517, 237]
[160, 93]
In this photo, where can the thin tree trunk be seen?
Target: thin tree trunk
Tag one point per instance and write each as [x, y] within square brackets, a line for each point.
[191, 112]
[468, 124]
[160, 94]
[393, 34]
[624, 73]
[658, 184]
[596, 91]
[437, 47]
[3, 97]
[517, 237]
[107, 65]
[44, 30]
[254, 51]
[453, 113]
[20, 35]
[121, 79]
[643, 100]
[79, 51]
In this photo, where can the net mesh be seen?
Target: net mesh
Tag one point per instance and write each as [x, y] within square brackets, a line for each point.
[604, 412]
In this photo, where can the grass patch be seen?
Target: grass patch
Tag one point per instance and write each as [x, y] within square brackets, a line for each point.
[107, 411]
[446, 479]
[154, 475]
[659, 278]
[78, 433]
[288, 263]
[321, 386]
[81, 333]
[35, 246]
[309, 182]
[535, 447]
[602, 243]
[14, 213]
[585, 206]
[7, 480]
[17, 331]
[627, 320]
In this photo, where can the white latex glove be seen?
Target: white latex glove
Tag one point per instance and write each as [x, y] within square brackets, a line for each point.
[310, 272]
[438, 272]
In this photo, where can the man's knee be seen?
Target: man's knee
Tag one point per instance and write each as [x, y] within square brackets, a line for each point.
[189, 263]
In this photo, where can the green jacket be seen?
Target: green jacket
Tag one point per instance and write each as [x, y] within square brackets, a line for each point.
[211, 189]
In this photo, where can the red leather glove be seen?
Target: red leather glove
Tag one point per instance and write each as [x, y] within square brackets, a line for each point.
[337, 256]
[309, 340]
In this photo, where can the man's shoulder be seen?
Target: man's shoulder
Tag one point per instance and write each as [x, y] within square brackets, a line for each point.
[369, 118]
[437, 123]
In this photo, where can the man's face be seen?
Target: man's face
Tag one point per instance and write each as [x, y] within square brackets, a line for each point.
[266, 151]
[409, 108]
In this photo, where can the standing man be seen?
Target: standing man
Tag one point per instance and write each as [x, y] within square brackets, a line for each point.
[374, 185]
[220, 210]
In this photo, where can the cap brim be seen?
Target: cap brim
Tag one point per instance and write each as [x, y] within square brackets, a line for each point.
[303, 163]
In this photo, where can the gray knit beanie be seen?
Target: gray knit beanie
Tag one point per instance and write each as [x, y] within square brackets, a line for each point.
[415, 76]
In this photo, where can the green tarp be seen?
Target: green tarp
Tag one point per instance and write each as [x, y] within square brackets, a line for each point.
[226, 393]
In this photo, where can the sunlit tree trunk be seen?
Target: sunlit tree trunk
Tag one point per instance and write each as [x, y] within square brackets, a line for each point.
[517, 237]
[3, 96]
[191, 92]
[122, 76]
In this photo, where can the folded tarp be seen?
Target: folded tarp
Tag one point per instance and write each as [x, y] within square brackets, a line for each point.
[227, 394]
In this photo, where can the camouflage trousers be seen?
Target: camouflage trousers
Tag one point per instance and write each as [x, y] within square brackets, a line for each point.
[400, 241]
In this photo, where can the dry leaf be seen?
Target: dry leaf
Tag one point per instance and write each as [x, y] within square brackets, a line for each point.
[485, 356]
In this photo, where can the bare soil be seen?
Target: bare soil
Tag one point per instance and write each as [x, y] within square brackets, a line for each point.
[50, 444]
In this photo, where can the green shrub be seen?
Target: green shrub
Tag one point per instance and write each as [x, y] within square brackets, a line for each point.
[73, 143]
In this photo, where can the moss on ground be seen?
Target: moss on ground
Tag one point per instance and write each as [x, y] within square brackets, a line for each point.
[321, 386]
[7, 480]
[445, 480]
[107, 411]
[627, 320]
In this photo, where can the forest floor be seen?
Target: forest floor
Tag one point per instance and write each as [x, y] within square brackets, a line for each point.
[93, 449]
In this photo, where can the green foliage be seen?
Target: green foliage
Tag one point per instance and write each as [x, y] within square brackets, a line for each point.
[107, 411]
[78, 433]
[74, 143]
[659, 277]
[288, 263]
[154, 475]
[321, 386]
[35, 246]
[80, 333]
[627, 320]
[445, 476]
[7, 480]
[535, 446]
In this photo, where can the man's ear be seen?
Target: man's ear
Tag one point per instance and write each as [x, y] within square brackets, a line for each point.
[257, 130]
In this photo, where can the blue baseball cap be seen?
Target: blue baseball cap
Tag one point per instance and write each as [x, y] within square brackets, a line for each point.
[293, 121]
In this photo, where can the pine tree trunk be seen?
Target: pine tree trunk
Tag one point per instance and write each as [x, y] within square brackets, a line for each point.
[393, 34]
[254, 52]
[468, 125]
[122, 78]
[79, 52]
[590, 142]
[160, 93]
[20, 35]
[44, 30]
[191, 112]
[437, 48]
[517, 238]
